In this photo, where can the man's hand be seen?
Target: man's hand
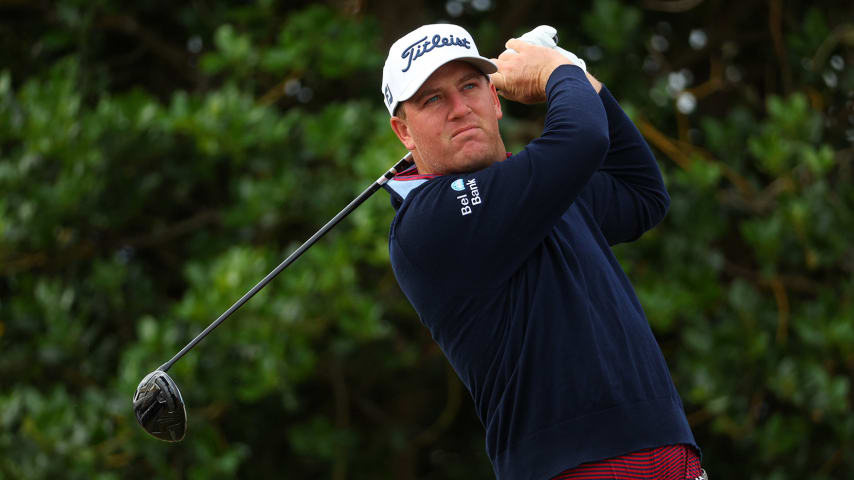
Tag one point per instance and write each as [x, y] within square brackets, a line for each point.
[522, 76]
[521, 71]
[546, 36]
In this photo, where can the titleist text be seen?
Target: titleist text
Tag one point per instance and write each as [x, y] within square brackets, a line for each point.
[418, 48]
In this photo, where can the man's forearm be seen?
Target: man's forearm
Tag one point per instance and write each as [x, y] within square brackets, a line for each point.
[629, 154]
[628, 190]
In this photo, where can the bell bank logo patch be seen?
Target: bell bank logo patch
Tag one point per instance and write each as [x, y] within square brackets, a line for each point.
[467, 198]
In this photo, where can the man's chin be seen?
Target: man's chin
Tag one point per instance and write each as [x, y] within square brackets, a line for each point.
[474, 162]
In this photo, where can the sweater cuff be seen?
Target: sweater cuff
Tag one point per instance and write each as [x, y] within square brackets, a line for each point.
[563, 72]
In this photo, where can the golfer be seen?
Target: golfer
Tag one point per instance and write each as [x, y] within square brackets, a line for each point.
[506, 258]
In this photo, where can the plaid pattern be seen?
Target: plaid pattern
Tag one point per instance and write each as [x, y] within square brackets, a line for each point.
[673, 462]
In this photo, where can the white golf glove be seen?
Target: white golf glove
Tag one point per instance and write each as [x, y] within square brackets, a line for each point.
[546, 36]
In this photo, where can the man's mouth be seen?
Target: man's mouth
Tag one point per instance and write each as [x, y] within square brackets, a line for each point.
[462, 130]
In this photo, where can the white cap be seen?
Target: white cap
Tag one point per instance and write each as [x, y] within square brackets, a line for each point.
[415, 56]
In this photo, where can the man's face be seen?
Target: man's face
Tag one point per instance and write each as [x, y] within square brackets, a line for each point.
[451, 123]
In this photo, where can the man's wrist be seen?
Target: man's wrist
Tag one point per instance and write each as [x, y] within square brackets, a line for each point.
[597, 85]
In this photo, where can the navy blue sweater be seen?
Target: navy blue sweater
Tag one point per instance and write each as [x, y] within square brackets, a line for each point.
[511, 270]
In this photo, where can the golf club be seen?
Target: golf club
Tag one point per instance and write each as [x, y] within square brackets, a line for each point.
[157, 403]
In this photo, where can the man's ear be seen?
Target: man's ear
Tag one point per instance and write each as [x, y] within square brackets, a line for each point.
[401, 129]
[496, 102]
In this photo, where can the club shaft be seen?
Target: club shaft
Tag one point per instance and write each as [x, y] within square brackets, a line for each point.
[388, 175]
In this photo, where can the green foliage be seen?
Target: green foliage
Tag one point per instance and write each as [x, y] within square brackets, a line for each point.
[234, 51]
[317, 39]
[156, 162]
[612, 24]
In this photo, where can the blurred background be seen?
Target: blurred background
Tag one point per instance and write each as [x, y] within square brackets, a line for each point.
[158, 158]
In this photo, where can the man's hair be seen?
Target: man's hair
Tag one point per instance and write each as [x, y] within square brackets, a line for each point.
[399, 112]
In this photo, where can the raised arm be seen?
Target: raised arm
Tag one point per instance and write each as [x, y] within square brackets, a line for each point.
[627, 194]
[519, 200]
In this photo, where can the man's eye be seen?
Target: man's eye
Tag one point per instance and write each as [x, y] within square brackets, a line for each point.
[469, 86]
[431, 99]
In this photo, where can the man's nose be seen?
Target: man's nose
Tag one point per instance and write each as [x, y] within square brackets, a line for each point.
[459, 106]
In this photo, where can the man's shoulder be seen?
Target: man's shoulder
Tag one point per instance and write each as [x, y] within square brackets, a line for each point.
[422, 194]
[403, 188]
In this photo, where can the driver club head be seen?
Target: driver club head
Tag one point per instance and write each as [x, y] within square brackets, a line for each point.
[159, 407]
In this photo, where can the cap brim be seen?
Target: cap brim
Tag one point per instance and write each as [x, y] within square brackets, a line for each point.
[483, 64]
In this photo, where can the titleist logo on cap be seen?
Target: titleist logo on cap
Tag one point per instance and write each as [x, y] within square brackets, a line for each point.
[403, 75]
[437, 41]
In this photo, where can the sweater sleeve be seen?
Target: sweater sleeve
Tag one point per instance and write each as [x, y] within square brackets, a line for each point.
[627, 195]
[487, 222]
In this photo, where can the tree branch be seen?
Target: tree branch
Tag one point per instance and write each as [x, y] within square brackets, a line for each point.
[782, 309]
[173, 56]
[680, 152]
[82, 251]
[842, 33]
[452, 407]
[342, 416]
[170, 232]
[775, 24]
[673, 6]
[797, 283]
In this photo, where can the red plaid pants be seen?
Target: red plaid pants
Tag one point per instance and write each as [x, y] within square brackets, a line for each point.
[673, 462]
